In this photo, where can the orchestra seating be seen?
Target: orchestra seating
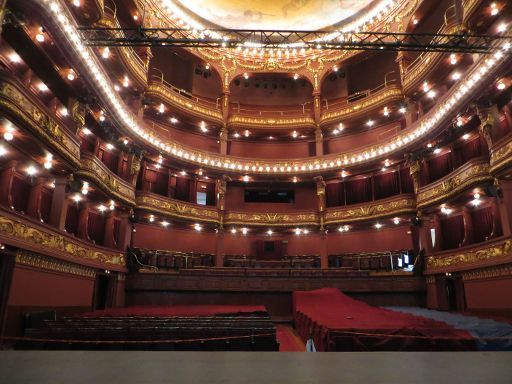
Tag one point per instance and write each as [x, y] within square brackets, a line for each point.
[222, 332]
[163, 259]
[337, 322]
[285, 262]
[377, 261]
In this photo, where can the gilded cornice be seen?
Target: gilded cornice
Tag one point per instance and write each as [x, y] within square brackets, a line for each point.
[93, 169]
[464, 259]
[488, 273]
[472, 173]
[386, 95]
[38, 261]
[163, 92]
[174, 208]
[48, 242]
[348, 214]
[41, 124]
[271, 122]
[501, 156]
[272, 219]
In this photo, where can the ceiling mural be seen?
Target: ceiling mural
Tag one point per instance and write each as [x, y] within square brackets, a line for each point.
[275, 14]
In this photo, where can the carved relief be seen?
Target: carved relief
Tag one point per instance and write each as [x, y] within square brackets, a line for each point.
[43, 262]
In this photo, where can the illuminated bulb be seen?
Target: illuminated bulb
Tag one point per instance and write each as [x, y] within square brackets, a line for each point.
[183, 173]
[386, 111]
[126, 81]
[465, 136]
[247, 133]
[42, 87]
[173, 120]
[85, 188]
[294, 179]
[40, 37]
[431, 94]
[370, 123]
[86, 131]
[335, 68]
[343, 173]
[76, 3]
[245, 178]
[112, 205]
[161, 108]
[151, 218]
[197, 227]
[306, 231]
[165, 223]
[109, 146]
[429, 145]
[453, 59]
[102, 208]
[456, 76]
[244, 231]
[48, 161]
[501, 86]
[296, 76]
[437, 150]
[64, 111]
[105, 53]
[236, 135]
[346, 227]
[341, 229]
[426, 87]
[341, 127]
[402, 110]
[476, 195]
[31, 170]
[494, 9]
[125, 141]
[3, 151]
[502, 27]
[77, 198]
[415, 21]
[396, 220]
[117, 88]
[203, 127]
[8, 135]
[297, 231]
[246, 75]
[71, 75]
[135, 17]
[295, 134]
[378, 225]
[14, 58]
[270, 232]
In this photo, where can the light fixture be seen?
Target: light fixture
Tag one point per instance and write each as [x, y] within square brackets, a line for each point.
[198, 227]
[476, 195]
[40, 35]
[270, 232]
[102, 208]
[151, 218]
[295, 134]
[14, 58]
[295, 76]
[445, 210]
[117, 88]
[76, 3]
[165, 223]
[246, 75]
[453, 59]
[110, 146]
[126, 81]
[378, 225]
[244, 231]
[42, 87]
[236, 135]
[173, 120]
[415, 21]
[426, 87]
[48, 161]
[294, 179]
[9, 133]
[31, 170]
[402, 110]
[335, 68]
[465, 136]
[247, 133]
[125, 141]
[341, 229]
[112, 205]
[3, 151]
[85, 188]
[386, 111]
[86, 131]
[298, 231]
[501, 85]
[494, 9]
[431, 94]
[203, 127]
[64, 111]
[245, 178]
[183, 173]
[396, 220]
[305, 231]
[456, 76]
[71, 75]
[105, 53]
[233, 231]
[346, 227]
[76, 198]
[370, 123]
[437, 150]
[502, 27]
[343, 174]
[161, 108]
[429, 145]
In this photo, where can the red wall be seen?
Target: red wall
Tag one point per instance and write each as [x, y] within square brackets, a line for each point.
[43, 288]
[488, 294]
[373, 240]
[269, 149]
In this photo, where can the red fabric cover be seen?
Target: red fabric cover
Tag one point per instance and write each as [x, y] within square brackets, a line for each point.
[358, 191]
[453, 231]
[407, 184]
[386, 185]
[439, 166]
[178, 310]
[327, 313]
[482, 222]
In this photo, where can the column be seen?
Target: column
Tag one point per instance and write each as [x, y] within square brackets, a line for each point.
[489, 118]
[34, 199]
[6, 176]
[125, 231]
[504, 203]
[219, 249]
[468, 227]
[436, 224]
[415, 172]
[59, 208]
[223, 140]
[7, 265]
[108, 235]
[324, 257]
[497, 229]
[319, 141]
[83, 221]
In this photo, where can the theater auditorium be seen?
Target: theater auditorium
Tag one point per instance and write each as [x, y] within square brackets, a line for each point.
[209, 191]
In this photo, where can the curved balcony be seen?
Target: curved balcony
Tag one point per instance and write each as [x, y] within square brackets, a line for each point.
[470, 174]
[360, 103]
[29, 112]
[184, 101]
[134, 64]
[394, 206]
[94, 170]
[419, 69]
[33, 236]
[272, 219]
[471, 257]
[175, 208]
[501, 155]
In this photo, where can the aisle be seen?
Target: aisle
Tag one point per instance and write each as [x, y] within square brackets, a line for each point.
[289, 340]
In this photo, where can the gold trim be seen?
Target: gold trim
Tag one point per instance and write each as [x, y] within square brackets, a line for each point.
[272, 219]
[51, 242]
[501, 156]
[93, 169]
[488, 273]
[372, 210]
[50, 264]
[462, 178]
[270, 122]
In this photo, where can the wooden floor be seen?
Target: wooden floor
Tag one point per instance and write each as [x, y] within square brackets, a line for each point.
[247, 368]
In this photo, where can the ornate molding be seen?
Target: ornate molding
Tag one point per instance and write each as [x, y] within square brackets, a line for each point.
[14, 232]
[402, 204]
[272, 219]
[488, 273]
[41, 124]
[93, 169]
[501, 155]
[271, 122]
[174, 208]
[386, 95]
[474, 172]
[38, 261]
[466, 258]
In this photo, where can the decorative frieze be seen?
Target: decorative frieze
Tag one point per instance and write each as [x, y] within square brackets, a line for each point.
[38, 261]
[271, 219]
[488, 273]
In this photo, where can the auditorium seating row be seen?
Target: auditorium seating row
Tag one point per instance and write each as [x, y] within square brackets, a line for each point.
[377, 261]
[286, 262]
[219, 333]
[169, 259]
[293, 272]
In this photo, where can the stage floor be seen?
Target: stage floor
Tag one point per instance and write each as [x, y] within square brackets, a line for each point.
[251, 367]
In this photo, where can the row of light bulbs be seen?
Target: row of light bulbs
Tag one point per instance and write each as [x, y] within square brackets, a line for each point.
[435, 116]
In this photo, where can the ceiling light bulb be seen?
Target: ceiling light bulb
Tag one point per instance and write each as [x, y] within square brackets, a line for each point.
[173, 120]
[370, 123]
[40, 37]
[197, 227]
[295, 76]
[476, 195]
[42, 87]
[494, 9]
[295, 134]
[71, 75]
[246, 75]
[3, 151]
[453, 59]
[465, 136]
[76, 3]
[502, 27]
[8, 135]
[335, 68]
[77, 198]
[386, 111]
[247, 133]
[31, 170]
[236, 135]
[14, 58]
[102, 208]
[151, 218]
[431, 94]
[402, 110]
[161, 108]
[270, 232]
[126, 81]
[294, 179]
[165, 223]
[378, 225]
[112, 205]
[244, 231]
[105, 53]
[245, 178]
[396, 220]
[501, 86]
[456, 76]
[125, 141]
[426, 87]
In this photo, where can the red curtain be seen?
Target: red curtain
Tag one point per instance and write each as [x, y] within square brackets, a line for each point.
[482, 220]
[332, 194]
[96, 227]
[453, 231]
[86, 145]
[182, 189]
[20, 191]
[469, 150]
[439, 166]
[358, 191]
[117, 228]
[72, 219]
[406, 181]
[46, 204]
[160, 183]
[109, 158]
[386, 185]
[210, 194]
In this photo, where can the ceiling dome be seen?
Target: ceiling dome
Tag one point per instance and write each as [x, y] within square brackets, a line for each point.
[275, 14]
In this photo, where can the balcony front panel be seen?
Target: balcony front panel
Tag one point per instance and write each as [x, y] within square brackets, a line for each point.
[269, 150]
[94, 170]
[501, 155]
[472, 173]
[272, 219]
[397, 205]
